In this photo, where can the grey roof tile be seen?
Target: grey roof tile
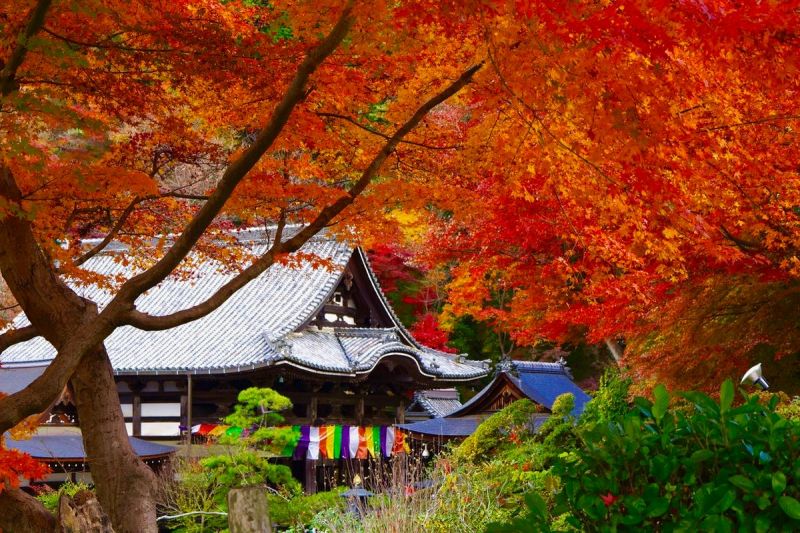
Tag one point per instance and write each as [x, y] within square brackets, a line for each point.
[255, 327]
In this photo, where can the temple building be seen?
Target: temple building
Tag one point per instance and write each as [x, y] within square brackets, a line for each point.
[539, 382]
[316, 328]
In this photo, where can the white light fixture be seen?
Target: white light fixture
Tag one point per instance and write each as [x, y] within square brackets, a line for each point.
[756, 377]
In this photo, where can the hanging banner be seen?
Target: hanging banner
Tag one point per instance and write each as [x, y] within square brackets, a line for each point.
[326, 442]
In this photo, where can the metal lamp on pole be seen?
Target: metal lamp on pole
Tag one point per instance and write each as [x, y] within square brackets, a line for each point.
[756, 377]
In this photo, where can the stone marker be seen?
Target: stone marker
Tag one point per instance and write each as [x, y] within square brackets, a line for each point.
[248, 511]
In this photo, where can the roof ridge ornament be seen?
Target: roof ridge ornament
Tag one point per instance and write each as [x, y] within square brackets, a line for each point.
[506, 365]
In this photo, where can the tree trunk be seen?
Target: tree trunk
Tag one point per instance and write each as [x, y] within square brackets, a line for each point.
[82, 514]
[22, 513]
[125, 486]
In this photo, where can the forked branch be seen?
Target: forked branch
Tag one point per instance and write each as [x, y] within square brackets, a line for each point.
[151, 322]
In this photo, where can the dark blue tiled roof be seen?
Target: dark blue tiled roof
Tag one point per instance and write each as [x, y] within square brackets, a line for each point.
[49, 447]
[545, 387]
[444, 427]
[15, 378]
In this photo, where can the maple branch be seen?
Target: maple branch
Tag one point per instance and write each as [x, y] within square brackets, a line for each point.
[126, 213]
[9, 71]
[381, 134]
[151, 322]
[185, 196]
[744, 245]
[236, 171]
[753, 122]
[114, 230]
[16, 336]
[101, 46]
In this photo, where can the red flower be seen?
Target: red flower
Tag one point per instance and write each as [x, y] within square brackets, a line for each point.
[608, 499]
[409, 490]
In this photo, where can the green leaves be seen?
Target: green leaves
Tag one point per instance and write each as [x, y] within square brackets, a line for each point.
[790, 506]
[778, 482]
[726, 396]
[742, 482]
[661, 402]
[699, 464]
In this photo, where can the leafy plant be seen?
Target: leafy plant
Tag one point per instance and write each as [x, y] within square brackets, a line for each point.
[49, 498]
[503, 427]
[300, 510]
[712, 467]
[611, 398]
[204, 486]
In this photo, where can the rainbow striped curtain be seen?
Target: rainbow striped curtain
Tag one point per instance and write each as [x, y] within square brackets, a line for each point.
[328, 442]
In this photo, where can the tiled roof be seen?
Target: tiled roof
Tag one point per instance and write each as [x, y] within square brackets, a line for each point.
[541, 382]
[256, 327]
[15, 378]
[438, 402]
[63, 447]
[443, 427]
[458, 426]
[544, 384]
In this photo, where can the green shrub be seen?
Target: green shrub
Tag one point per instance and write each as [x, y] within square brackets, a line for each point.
[713, 467]
[204, 485]
[50, 498]
[611, 398]
[248, 467]
[500, 430]
[301, 510]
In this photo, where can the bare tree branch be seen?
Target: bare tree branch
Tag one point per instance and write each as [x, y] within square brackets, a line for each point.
[381, 134]
[114, 230]
[235, 172]
[151, 323]
[9, 72]
[16, 336]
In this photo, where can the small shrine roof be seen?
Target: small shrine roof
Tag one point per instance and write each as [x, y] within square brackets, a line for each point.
[436, 402]
[70, 447]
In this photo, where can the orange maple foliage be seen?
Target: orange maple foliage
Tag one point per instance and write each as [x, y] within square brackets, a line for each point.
[15, 464]
[633, 176]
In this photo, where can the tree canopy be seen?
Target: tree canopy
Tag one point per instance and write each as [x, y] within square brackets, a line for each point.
[597, 170]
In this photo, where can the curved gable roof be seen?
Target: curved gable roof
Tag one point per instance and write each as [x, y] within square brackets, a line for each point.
[255, 326]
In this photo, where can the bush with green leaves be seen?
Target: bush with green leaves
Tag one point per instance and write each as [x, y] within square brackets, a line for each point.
[204, 485]
[258, 412]
[499, 429]
[611, 398]
[711, 467]
[50, 497]
[299, 511]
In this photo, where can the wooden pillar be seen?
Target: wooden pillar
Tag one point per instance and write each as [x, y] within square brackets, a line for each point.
[189, 401]
[311, 476]
[137, 414]
[312, 410]
[184, 409]
[136, 408]
[360, 409]
[400, 414]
